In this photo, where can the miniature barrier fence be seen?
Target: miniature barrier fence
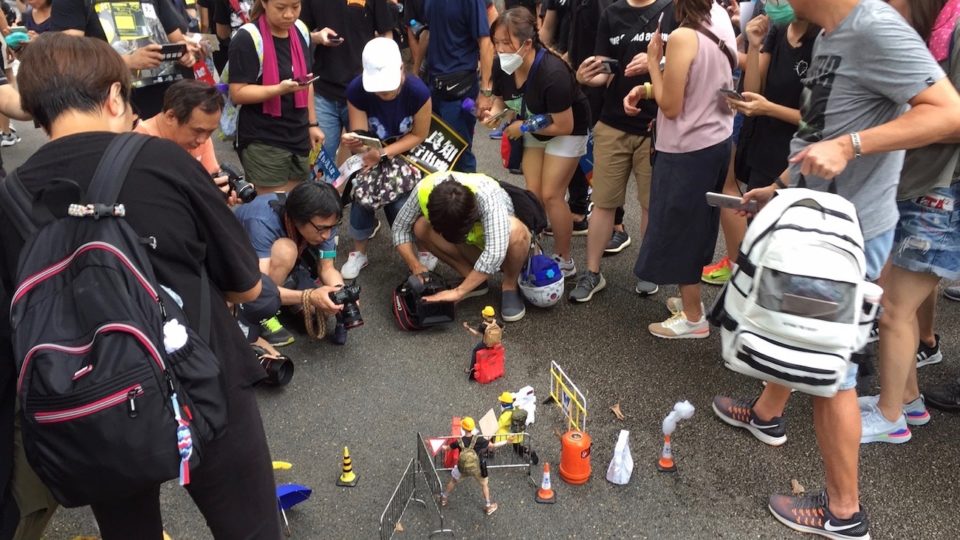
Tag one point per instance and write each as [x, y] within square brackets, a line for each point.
[570, 399]
[405, 492]
[516, 454]
[430, 476]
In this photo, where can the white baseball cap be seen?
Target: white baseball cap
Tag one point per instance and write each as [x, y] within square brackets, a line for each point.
[382, 65]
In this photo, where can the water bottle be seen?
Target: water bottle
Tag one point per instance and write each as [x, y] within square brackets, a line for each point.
[536, 123]
[417, 27]
[469, 106]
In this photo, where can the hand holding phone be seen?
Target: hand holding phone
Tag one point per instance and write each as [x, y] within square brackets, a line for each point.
[732, 94]
[173, 51]
[609, 65]
[307, 80]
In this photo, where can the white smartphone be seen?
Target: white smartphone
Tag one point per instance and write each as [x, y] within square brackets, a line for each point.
[729, 201]
[371, 142]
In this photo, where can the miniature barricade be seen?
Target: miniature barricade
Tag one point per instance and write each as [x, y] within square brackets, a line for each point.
[426, 467]
[517, 454]
[405, 492]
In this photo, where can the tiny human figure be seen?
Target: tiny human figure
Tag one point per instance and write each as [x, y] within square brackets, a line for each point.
[476, 466]
[490, 332]
[505, 418]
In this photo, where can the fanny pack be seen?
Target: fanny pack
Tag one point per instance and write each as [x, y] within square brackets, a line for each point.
[454, 86]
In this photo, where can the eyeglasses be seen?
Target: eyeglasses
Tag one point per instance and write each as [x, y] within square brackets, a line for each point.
[323, 229]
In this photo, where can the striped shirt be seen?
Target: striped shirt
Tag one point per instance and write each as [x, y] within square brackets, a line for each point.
[495, 208]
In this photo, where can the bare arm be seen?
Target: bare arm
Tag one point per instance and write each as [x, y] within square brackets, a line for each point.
[249, 94]
[562, 124]
[547, 28]
[486, 62]
[10, 103]
[669, 87]
[934, 116]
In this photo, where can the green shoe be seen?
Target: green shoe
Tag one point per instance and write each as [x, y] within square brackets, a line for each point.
[275, 333]
[717, 274]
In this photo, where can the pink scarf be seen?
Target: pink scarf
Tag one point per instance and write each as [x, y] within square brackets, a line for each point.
[271, 71]
[943, 30]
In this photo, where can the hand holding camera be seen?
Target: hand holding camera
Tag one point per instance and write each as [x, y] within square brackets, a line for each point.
[244, 190]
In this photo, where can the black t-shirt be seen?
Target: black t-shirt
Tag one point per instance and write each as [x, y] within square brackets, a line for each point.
[169, 196]
[357, 23]
[584, 19]
[561, 34]
[769, 145]
[289, 130]
[625, 31]
[553, 89]
[529, 4]
[480, 446]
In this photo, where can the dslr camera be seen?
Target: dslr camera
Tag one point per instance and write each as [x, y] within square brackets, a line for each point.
[238, 184]
[347, 296]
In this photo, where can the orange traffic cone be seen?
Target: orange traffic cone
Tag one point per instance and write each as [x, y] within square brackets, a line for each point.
[666, 464]
[348, 478]
[545, 494]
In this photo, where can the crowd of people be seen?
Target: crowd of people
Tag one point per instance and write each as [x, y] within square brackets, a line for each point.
[685, 96]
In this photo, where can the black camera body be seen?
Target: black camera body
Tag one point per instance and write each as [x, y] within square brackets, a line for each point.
[348, 296]
[245, 191]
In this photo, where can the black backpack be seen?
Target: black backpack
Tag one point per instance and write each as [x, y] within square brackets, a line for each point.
[106, 411]
[527, 207]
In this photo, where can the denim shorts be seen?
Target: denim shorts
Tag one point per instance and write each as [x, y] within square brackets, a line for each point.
[877, 251]
[928, 234]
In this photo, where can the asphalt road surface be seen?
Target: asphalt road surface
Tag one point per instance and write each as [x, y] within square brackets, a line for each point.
[377, 392]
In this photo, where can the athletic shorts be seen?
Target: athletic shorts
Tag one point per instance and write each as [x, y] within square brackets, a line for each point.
[617, 154]
[568, 146]
[269, 166]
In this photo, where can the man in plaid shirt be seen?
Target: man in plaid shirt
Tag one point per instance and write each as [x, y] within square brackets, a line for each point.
[468, 222]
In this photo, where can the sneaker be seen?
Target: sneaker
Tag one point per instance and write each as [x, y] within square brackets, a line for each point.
[646, 288]
[811, 514]
[428, 259]
[9, 139]
[275, 333]
[739, 413]
[490, 508]
[339, 335]
[719, 273]
[374, 233]
[945, 397]
[580, 228]
[569, 268]
[589, 284]
[876, 428]
[479, 290]
[927, 355]
[356, 261]
[678, 327]
[952, 293]
[915, 412]
[618, 242]
[511, 306]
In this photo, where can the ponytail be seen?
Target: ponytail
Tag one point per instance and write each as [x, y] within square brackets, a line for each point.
[257, 10]
[522, 24]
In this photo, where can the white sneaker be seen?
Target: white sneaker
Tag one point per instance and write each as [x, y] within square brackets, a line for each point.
[356, 261]
[569, 268]
[428, 259]
[876, 428]
[678, 327]
[915, 412]
[675, 304]
[375, 229]
[9, 139]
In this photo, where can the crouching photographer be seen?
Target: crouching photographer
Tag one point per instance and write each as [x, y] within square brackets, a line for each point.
[468, 222]
[294, 236]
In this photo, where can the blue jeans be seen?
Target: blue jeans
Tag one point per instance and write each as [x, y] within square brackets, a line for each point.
[332, 117]
[927, 239]
[876, 250]
[452, 113]
[363, 220]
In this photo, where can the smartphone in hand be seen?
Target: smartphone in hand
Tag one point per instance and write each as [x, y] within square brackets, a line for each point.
[173, 51]
[726, 92]
[609, 65]
[729, 201]
[307, 80]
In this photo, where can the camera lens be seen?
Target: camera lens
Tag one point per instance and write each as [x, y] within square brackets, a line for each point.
[245, 190]
[279, 371]
[351, 316]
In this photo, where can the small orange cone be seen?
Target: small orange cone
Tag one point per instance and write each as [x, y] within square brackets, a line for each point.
[545, 494]
[348, 478]
[666, 464]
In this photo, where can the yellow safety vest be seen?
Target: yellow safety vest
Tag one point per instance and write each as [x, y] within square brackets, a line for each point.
[472, 181]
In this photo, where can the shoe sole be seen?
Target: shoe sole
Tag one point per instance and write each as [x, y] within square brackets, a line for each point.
[760, 436]
[647, 293]
[575, 233]
[951, 297]
[618, 249]
[897, 437]
[515, 318]
[814, 530]
[919, 420]
[682, 336]
[282, 343]
[935, 359]
[713, 281]
[600, 286]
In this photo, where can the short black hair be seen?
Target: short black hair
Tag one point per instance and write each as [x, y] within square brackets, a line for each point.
[311, 199]
[452, 210]
[184, 96]
[64, 73]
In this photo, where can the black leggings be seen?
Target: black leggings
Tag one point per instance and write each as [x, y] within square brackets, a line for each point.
[233, 487]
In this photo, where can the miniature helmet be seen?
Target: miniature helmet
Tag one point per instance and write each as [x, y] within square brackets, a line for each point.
[488, 312]
[467, 424]
[506, 398]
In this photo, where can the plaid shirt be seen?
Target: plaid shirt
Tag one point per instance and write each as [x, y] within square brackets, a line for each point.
[495, 209]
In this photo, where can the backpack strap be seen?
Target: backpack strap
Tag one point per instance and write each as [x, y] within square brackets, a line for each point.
[113, 168]
[17, 205]
[473, 441]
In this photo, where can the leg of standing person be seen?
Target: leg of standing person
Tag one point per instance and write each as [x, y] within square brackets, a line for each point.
[331, 116]
[452, 113]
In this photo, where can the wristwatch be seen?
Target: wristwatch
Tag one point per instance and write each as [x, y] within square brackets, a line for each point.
[313, 124]
[486, 92]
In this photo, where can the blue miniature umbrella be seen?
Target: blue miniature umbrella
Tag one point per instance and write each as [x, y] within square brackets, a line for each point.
[288, 496]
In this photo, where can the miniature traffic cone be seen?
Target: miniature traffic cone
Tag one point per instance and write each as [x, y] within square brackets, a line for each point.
[666, 464]
[545, 494]
[348, 478]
